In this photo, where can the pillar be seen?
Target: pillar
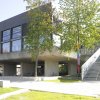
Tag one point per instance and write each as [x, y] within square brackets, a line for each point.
[27, 69]
[51, 68]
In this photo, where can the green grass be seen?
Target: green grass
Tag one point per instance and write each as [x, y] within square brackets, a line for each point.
[37, 95]
[7, 90]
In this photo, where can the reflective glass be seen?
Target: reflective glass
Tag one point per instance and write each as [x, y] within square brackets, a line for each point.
[17, 32]
[6, 47]
[6, 35]
[16, 45]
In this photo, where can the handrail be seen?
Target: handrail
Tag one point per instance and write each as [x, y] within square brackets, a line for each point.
[87, 65]
[97, 75]
[85, 51]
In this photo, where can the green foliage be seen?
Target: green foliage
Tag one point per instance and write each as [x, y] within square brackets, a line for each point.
[81, 23]
[39, 35]
[39, 32]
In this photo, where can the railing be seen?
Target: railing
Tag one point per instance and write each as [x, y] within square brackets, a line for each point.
[97, 75]
[87, 65]
[91, 51]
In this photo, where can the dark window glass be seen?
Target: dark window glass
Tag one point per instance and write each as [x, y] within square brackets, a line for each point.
[17, 32]
[6, 47]
[16, 45]
[6, 35]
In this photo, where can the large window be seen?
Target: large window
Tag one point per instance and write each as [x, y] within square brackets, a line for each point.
[17, 32]
[11, 40]
[6, 41]
[6, 47]
[16, 36]
[16, 45]
[6, 36]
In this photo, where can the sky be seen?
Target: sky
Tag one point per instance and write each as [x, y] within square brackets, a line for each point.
[10, 8]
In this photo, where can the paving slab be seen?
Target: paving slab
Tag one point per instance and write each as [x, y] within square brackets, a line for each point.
[6, 95]
[77, 88]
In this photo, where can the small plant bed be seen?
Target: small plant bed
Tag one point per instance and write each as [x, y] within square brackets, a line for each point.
[65, 79]
[7, 90]
[37, 95]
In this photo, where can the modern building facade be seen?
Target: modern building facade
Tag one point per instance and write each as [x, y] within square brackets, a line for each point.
[14, 60]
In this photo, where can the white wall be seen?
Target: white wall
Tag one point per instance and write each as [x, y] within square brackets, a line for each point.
[51, 68]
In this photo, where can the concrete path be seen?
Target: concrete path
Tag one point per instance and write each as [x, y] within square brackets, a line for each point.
[6, 95]
[79, 88]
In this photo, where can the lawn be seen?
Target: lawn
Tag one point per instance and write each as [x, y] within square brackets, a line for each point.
[37, 95]
[6, 90]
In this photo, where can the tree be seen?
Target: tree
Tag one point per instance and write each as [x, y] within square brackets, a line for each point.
[80, 24]
[40, 29]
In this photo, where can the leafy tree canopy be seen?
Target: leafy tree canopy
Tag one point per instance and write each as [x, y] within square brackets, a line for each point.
[81, 23]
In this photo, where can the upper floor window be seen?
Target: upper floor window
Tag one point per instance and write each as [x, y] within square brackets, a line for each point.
[6, 47]
[6, 35]
[17, 32]
[16, 45]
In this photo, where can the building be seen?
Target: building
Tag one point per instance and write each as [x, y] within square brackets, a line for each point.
[15, 61]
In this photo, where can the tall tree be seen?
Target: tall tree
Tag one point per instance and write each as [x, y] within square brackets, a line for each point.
[40, 29]
[81, 19]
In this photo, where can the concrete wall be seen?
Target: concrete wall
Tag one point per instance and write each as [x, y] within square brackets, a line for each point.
[27, 69]
[9, 69]
[72, 68]
[51, 68]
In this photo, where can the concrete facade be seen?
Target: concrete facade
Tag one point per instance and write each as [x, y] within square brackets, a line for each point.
[27, 69]
[51, 68]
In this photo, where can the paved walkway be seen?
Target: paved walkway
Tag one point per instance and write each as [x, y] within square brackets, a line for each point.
[6, 95]
[79, 88]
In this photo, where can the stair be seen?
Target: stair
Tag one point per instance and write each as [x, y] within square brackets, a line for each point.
[91, 68]
[93, 73]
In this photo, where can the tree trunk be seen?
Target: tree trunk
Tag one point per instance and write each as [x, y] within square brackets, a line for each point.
[36, 66]
[36, 62]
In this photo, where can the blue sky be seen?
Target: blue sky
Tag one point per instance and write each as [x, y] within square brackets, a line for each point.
[10, 8]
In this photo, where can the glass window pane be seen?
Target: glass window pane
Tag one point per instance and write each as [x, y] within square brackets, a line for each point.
[16, 45]
[6, 35]
[17, 29]
[17, 32]
[6, 47]
[17, 35]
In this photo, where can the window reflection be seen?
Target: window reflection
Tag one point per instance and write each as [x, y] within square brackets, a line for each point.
[16, 45]
[6, 35]
[6, 47]
[11, 36]
[17, 32]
